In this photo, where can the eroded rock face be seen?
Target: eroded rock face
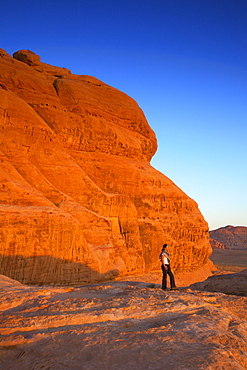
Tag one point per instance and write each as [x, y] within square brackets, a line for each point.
[80, 201]
[215, 244]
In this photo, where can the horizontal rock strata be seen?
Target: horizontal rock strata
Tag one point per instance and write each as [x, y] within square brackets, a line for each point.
[79, 199]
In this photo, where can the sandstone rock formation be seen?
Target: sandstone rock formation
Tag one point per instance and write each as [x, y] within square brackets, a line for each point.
[229, 237]
[120, 326]
[226, 283]
[215, 244]
[79, 199]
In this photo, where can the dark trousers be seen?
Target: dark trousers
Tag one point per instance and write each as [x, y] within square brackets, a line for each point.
[168, 271]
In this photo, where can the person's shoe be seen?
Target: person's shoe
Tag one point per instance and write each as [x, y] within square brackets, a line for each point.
[174, 288]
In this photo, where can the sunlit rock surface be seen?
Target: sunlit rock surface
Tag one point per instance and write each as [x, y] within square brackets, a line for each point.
[79, 199]
[120, 325]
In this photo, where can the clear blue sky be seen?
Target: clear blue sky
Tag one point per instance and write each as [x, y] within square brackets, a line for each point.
[183, 61]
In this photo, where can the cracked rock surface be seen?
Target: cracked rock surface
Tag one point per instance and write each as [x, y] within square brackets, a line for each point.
[120, 325]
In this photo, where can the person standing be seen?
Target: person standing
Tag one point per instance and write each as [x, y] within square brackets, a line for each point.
[166, 268]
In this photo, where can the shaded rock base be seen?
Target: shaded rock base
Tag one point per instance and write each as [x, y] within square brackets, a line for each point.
[226, 283]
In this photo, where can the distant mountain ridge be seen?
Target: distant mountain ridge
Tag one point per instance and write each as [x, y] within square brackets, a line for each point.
[229, 237]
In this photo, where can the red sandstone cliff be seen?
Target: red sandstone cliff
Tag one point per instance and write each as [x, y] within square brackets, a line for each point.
[79, 199]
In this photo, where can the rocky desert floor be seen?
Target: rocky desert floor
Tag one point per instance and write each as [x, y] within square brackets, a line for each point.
[122, 325]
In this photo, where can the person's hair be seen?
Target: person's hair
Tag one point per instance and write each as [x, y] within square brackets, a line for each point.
[164, 246]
